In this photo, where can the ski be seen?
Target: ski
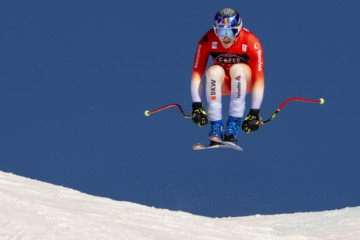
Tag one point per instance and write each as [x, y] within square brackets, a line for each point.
[220, 144]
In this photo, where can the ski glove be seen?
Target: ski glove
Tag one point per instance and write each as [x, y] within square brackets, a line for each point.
[251, 122]
[198, 114]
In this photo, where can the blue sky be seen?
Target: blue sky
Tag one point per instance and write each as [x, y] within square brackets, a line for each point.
[77, 76]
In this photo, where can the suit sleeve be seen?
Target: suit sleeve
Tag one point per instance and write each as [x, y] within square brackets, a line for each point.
[257, 70]
[200, 62]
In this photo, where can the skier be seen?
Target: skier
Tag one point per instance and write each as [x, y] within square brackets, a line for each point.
[238, 69]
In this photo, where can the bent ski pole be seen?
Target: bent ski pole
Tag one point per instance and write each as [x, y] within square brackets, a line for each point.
[321, 101]
[148, 113]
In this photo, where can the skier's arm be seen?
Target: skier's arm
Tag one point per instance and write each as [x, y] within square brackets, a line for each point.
[251, 121]
[257, 69]
[196, 87]
[200, 61]
[198, 114]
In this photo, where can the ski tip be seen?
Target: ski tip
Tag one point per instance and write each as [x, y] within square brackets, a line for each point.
[198, 146]
[147, 113]
[322, 101]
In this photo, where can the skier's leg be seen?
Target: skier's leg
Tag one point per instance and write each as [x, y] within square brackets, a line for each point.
[214, 80]
[240, 75]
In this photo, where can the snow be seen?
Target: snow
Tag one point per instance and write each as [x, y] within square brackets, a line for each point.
[31, 209]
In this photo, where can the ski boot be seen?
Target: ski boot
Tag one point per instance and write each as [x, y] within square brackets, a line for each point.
[232, 129]
[216, 132]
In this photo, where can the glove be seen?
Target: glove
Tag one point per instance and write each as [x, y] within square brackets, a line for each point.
[198, 114]
[251, 122]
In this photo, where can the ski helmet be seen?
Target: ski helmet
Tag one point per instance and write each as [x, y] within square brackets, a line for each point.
[227, 23]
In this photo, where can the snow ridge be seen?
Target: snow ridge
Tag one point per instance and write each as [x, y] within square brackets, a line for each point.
[35, 210]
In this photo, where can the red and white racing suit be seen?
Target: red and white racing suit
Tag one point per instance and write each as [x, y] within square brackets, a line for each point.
[247, 49]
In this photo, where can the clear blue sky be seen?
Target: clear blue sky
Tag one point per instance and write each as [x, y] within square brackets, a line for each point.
[77, 76]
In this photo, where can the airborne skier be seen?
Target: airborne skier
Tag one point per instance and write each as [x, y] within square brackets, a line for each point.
[238, 69]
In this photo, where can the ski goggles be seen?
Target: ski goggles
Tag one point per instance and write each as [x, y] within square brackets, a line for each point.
[227, 32]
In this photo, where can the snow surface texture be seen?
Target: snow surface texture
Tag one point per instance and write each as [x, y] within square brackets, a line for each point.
[32, 209]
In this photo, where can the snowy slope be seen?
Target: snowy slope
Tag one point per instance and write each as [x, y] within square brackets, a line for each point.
[35, 210]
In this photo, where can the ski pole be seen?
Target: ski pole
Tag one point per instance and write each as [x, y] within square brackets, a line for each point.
[321, 101]
[148, 113]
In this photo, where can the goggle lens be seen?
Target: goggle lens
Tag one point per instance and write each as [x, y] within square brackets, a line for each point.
[226, 32]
